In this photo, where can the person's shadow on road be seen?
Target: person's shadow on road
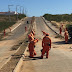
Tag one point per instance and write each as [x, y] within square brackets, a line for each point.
[33, 58]
[62, 42]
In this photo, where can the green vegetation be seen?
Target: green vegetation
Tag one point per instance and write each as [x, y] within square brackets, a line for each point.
[58, 17]
[21, 16]
[69, 27]
[5, 23]
[61, 18]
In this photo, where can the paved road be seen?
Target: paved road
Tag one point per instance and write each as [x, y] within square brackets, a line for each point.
[10, 41]
[20, 30]
[59, 60]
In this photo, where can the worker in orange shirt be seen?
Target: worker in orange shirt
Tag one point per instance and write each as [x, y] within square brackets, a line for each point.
[46, 44]
[66, 35]
[33, 32]
[30, 37]
[61, 29]
[62, 25]
[4, 32]
[31, 47]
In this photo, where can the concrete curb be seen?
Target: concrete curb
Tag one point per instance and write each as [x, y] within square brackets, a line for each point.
[51, 28]
[18, 67]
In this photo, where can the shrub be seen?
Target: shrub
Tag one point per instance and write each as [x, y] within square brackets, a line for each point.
[20, 16]
[4, 25]
[69, 27]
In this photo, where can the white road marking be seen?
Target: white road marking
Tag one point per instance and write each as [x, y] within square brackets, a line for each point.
[15, 27]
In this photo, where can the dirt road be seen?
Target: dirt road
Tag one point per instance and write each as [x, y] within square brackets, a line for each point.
[60, 56]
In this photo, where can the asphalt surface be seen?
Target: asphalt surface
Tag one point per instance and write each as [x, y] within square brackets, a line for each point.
[11, 40]
[58, 61]
[20, 30]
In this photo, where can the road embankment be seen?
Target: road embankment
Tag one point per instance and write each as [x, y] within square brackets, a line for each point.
[55, 30]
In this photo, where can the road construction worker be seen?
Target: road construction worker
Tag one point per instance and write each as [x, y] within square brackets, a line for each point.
[33, 32]
[46, 44]
[31, 47]
[60, 30]
[4, 32]
[25, 28]
[66, 35]
[30, 37]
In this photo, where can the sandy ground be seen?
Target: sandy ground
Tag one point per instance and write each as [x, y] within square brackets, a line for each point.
[60, 57]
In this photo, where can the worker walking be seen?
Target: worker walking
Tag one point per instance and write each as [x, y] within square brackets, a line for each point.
[30, 37]
[66, 35]
[61, 29]
[4, 32]
[46, 44]
[33, 32]
[31, 47]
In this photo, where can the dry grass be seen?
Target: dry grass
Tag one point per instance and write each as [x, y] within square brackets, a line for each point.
[58, 24]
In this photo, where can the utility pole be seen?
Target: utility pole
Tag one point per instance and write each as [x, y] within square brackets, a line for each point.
[16, 12]
[23, 10]
[20, 9]
[9, 12]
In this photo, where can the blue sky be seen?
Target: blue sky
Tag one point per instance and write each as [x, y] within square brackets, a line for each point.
[39, 7]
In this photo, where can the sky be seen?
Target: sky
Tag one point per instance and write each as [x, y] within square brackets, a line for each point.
[38, 7]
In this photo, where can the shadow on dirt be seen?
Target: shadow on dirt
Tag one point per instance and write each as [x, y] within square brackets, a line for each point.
[59, 42]
[34, 58]
[62, 42]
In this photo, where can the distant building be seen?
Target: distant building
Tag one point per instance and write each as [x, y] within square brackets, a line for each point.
[3, 13]
[8, 13]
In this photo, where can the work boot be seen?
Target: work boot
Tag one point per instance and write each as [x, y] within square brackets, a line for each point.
[34, 53]
[46, 57]
[66, 42]
[41, 57]
[31, 56]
